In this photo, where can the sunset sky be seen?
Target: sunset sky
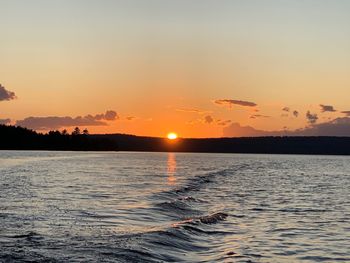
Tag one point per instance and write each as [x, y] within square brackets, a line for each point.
[199, 68]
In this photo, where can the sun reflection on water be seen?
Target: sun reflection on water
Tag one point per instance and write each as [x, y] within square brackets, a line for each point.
[171, 169]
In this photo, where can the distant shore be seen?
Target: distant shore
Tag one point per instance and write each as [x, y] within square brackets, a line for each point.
[258, 145]
[18, 138]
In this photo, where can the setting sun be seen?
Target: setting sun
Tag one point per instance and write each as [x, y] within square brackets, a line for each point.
[172, 136]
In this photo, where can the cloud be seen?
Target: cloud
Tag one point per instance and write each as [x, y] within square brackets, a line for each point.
[346, 112]
[287, 110]
[336, 127]
[255, 116]
[327, 108]
[130, 118]
[5, 121]
[236, 130]
[211, 120]
[192, 110]
[229, 103]
[54, 122]
[109, 116]
[311, 118]
[6, 95]
[208, 119]
[223, 123]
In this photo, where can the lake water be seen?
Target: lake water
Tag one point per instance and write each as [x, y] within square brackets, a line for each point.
[163, 207]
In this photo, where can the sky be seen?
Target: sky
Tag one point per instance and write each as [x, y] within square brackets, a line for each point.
[200, 68]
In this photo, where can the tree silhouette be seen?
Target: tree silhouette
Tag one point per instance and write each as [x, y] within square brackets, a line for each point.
[76, 131]
[18, 138]
[64, 132]
[85, 132]
[54, 133]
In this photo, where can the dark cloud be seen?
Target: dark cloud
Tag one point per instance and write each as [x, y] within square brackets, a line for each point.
[130, 118]
[5, 94]
[346, 112]
[337, 127]
[53, 122]
[111, 115]
[5, 121]
[208, 119]
[230, 103]
[311, 118]
[327, 108]
[289, 110]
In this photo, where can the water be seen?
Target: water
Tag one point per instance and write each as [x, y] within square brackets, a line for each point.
[162, 207]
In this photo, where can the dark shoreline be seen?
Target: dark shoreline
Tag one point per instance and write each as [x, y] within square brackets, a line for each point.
[18, 138]
[248, 145]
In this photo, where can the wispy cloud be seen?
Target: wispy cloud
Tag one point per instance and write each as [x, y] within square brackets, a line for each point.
[256, 116]
[327, 108]
[346, 112]
[130, 118]
[208, 119]
[223, 122]
[286, 109]
[192, 110]
[229, 103]
[6, 95]
[55, 122]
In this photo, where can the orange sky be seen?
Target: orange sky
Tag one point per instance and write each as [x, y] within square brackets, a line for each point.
[165, 65]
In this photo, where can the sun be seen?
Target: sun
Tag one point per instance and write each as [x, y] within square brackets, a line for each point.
[172, 136]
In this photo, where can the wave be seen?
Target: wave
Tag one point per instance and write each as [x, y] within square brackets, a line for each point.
[30, 236]
[192, 227]
[180, 237]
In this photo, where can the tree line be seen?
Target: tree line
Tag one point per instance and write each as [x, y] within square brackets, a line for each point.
[19, 138]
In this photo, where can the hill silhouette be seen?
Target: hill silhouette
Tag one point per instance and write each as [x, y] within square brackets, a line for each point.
[268, 145]
[18, 138]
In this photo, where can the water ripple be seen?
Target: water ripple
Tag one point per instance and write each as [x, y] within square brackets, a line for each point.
[158, 207]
